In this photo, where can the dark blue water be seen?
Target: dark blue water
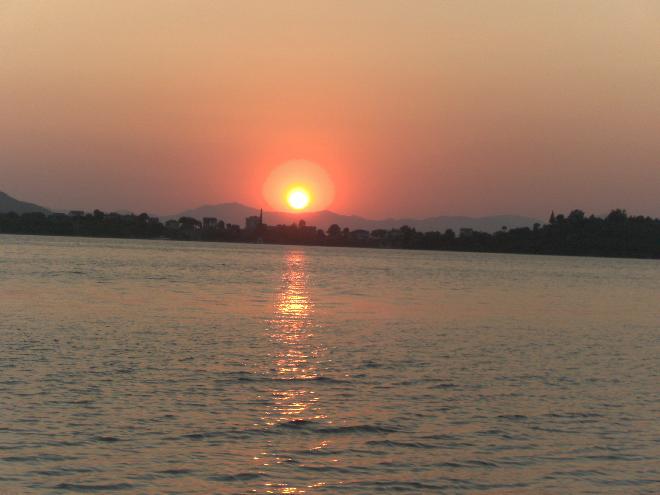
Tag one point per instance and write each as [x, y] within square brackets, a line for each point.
[164, 367]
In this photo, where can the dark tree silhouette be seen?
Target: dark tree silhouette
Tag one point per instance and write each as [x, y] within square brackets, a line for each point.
[618, 234]
[334, 230]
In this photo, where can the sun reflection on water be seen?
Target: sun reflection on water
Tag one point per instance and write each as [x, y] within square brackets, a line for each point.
[294, 399]
[296, 353]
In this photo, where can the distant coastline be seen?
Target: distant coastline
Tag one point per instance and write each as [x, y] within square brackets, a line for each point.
[575, 234]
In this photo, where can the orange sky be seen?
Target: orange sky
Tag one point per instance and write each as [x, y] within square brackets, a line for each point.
[414, 108]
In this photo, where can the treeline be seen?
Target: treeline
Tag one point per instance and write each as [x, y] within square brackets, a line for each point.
[97, 224]
[616, 235]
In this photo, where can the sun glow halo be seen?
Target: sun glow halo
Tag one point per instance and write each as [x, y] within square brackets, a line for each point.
[297, 186]
[298, 198]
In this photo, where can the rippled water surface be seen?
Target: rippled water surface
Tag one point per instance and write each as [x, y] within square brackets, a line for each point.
[164, 367]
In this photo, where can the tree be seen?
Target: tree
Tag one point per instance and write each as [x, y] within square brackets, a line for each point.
[617, 216]
[576, 216]
[189, 223]
[334, 230]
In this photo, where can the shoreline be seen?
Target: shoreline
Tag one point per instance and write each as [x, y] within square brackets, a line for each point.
[386, 248]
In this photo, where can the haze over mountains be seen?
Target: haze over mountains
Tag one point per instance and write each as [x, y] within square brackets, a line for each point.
[236, 213]
[7, 204]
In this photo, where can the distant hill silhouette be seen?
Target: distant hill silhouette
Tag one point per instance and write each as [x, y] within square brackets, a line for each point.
[235, 213]
[9, 204]
[228, 212]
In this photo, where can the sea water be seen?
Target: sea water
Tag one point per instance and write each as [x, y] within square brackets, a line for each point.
[135, 366]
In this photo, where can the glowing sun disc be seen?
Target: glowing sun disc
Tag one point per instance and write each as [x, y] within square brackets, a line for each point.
[298, 199]
[302, 176]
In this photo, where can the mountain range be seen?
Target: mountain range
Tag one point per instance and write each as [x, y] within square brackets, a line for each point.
[7, 204]
[236, 213]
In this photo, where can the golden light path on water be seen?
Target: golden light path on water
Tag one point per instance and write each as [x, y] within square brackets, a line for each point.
[293, 398]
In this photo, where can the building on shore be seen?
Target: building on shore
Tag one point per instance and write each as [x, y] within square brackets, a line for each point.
[210, 222]
[360, 235]
[254, 222]
[172, 224]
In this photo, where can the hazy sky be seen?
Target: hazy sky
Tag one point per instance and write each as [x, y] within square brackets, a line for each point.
[413, 107]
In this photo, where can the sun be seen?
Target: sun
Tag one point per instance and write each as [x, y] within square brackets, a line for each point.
[298, 186]
[298, 198]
